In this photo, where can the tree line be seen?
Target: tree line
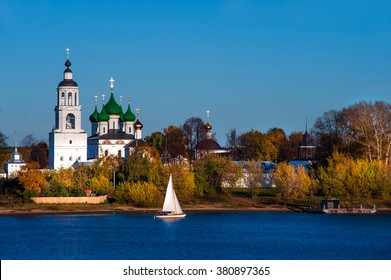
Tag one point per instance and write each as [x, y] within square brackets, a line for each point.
[353, 161]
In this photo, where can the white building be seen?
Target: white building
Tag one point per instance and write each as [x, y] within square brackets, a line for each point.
[14, 164]
[67, 141]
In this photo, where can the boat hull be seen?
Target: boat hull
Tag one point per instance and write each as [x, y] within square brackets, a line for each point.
[170, 216]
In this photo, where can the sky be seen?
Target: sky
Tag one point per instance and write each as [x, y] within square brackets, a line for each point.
[253, 64]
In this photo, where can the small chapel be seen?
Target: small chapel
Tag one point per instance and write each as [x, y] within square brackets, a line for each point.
[114, 132]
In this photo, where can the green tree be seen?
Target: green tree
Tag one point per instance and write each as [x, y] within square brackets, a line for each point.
[183, 180]
[142, 165]
[140, 194]
[156, 140]
[212, 173]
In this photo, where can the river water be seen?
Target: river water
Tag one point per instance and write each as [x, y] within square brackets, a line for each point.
[201, 235]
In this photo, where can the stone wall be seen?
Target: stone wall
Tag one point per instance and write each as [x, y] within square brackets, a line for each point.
[70, 200]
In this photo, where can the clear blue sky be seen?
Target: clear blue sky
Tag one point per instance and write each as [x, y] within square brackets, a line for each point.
[254, 64]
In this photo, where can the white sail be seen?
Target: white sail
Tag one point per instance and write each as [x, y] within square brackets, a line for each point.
[171, 203]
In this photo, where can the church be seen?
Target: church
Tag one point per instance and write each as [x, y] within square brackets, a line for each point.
[113, 132]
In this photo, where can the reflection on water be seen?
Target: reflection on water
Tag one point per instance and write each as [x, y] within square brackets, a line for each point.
[213, 235]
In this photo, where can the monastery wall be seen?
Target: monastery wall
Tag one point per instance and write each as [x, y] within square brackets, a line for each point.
[70, 200]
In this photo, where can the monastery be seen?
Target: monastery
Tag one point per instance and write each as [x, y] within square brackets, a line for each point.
[113, 132]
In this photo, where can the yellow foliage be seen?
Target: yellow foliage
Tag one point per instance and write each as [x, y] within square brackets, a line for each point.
[31, 178]
[291, 183]
[142, 194]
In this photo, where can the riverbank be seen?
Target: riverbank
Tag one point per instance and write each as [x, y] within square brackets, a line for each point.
[82, 209]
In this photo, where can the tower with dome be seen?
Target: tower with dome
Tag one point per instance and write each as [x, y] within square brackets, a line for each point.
[67, 140]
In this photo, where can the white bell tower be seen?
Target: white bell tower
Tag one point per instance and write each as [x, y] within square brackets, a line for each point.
[67, 141]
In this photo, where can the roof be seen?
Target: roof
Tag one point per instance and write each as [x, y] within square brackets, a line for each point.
[208, 144]
[67, 83]
[113, 134]
[137, 143]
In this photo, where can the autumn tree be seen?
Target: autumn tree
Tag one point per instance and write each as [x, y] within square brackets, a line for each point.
[369, 124]
[174, 144]
[254, 177]
[278, 138]
[62, 183]
[142, 165]
[330, 134]
[39, 152]
[291, 183]
[355, 178]
[254, 145]
[28, 141]
[232, 142]
[32, 179]
[288, 151]
[194, 132]
[140, 194]
[331, 177]
[183, 180]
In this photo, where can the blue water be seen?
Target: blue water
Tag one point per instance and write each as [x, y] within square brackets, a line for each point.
[212, 235]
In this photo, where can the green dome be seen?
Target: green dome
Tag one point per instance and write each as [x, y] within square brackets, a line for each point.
[103, 116]
[95, 115]
[129, 116]
[112, 107]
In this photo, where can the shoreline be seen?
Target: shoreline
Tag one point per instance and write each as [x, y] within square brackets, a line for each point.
[131, 210]
[139, 210]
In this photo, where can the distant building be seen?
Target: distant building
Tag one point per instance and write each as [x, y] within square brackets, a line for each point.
[14, 164]
[263, 174]
[208, 145]
[305, 152]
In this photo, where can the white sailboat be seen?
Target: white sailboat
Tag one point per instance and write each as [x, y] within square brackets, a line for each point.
[171, 207]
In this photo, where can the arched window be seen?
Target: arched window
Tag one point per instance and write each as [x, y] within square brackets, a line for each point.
[70, 121]
[63, 98]
[69, 98]
[75, 98]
